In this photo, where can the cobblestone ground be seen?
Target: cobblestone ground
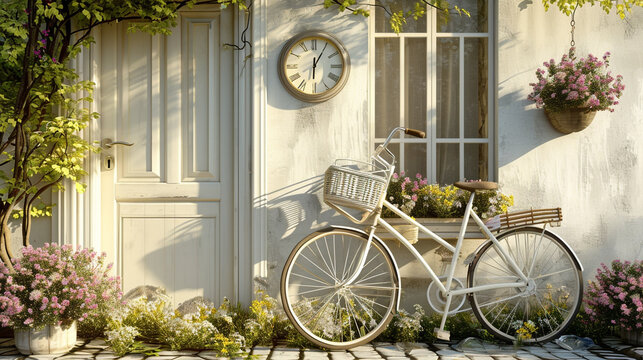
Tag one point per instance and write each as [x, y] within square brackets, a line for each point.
[611, 348]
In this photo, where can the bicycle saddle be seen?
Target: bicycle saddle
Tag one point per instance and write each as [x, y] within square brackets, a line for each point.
[476, 185]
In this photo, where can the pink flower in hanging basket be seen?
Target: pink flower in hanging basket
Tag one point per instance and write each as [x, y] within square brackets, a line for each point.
[576, 84]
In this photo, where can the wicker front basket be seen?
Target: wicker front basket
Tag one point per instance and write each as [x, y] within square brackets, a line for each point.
[355, 189]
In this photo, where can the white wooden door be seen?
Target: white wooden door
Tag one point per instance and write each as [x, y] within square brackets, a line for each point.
[167, 214]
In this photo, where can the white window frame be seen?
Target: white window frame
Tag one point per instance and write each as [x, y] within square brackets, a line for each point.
[431, 118]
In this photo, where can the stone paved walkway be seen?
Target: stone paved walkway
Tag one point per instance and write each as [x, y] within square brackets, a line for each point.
[613, 349]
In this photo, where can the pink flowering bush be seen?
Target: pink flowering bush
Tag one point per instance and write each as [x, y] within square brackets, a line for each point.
[616, 297]
[404, 193]
[54, 285]
[577, 84]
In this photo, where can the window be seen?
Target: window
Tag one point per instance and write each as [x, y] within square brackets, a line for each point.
[436, 77]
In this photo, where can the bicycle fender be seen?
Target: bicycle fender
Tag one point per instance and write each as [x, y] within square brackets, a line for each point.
[471, 256]
[380, 242]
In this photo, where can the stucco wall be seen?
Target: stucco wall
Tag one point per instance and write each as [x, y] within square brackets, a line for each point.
[594, 175]
[302, 138]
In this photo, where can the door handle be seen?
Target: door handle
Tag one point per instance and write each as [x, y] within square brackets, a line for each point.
[108, 143]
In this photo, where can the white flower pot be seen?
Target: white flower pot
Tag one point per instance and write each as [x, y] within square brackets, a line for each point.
[447, 228]
[51, 339]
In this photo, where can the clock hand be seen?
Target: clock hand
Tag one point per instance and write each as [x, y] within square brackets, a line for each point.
[320, 54]
[314, 66]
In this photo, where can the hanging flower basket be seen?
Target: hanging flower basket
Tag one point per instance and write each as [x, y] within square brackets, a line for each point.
[572, 90]
[571, 120]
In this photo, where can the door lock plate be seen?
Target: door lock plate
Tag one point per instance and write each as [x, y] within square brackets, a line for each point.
[108, 162]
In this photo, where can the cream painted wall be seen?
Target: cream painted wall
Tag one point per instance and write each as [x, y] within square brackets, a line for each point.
[303, 139]
[595, 175]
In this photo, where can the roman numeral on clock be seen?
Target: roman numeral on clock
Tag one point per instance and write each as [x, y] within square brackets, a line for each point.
[302, 85]
[291, 66]
[294, 77]
[333, 77]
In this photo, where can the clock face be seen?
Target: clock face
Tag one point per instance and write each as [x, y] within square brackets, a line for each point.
[314, 66]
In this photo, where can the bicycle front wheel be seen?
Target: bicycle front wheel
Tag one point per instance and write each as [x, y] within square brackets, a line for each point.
[328, 312]
[540, 311]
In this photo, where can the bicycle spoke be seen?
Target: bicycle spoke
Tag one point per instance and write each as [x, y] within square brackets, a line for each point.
[553, 273]
[499, 301]
[351, 264]
[334, 257]
[374, 302]
[315, 290]
[317, 266]
[330, 260]
[319, 280]
[325, 263]
[385, 288]
[345, 259]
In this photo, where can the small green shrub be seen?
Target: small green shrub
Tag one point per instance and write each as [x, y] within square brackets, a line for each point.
[150, 318]
[419, 327]
[404, 327]
[121, 339]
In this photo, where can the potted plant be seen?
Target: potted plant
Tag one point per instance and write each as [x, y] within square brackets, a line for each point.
[50, 289]
[441, 208]
[573, 90]
[615, 299]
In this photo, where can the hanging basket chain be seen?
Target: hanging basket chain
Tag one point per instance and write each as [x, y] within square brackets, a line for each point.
[573, 25]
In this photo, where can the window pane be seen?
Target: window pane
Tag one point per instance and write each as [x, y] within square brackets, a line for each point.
[476, 111]
[415, 159]
[382, 18]
[476, 161]
[454, 23]
[448, 83]
[448, 163]
[387, 85]
[415, 83]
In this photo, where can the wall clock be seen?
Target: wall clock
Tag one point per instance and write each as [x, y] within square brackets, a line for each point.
[314, 66]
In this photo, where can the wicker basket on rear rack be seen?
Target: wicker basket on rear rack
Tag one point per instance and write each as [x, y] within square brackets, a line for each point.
[355, 185]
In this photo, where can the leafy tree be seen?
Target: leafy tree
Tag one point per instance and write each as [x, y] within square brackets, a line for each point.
[622, 6]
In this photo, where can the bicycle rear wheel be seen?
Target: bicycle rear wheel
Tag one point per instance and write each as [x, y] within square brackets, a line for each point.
[549, 302]
[321, 308]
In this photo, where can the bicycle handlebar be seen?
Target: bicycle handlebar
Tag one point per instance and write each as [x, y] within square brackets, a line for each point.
[416, 133]
[383, 147]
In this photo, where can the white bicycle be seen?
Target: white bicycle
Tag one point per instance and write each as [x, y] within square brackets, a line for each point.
[340, 286]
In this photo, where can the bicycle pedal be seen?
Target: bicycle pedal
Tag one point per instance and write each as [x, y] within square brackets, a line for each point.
[442, 334]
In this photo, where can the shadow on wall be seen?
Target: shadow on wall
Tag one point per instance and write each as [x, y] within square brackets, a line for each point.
[294, 212]
[184, 258]
[524, 128]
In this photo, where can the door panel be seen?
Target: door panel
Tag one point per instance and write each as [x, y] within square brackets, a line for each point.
[167, 214]
[173, 245]
[140, 121]
[201, 126]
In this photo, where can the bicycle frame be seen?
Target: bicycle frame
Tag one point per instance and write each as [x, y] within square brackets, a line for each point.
[444, 288]
[468, 213]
